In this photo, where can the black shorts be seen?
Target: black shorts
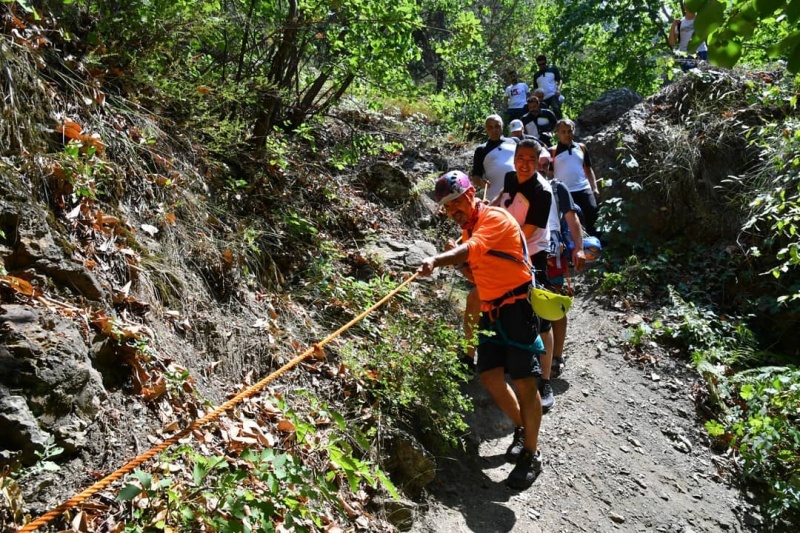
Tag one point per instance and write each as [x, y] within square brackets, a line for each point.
[539, 261]
[509, 341]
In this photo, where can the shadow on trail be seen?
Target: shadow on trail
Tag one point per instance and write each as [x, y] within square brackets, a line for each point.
[462, 485]
[560, 386]
[462, 482]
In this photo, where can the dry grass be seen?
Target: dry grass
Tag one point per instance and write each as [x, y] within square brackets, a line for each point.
[25, 102]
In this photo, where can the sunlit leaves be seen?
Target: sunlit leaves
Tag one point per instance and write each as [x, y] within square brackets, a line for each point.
[726, 28]
[724, 52]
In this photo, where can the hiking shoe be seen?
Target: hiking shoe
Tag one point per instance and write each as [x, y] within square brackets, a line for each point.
[546, 392]
[557, 367]
[527, 469]
[517, 445]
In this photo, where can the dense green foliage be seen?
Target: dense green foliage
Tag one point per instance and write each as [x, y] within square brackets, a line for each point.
[724, 303]
[404, 357]
[727, 26]
[245, 67]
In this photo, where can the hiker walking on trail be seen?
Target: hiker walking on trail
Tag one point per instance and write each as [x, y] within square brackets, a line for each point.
[566, 246]
[494, 251]
[538, 122]
[681, 32]
[572, 166]
[517, 131]
[548, 78]
[493, 159]
[527, 195]
[515, 96]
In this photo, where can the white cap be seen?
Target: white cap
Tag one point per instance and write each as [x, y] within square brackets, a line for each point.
[515, 125]
[544, 153]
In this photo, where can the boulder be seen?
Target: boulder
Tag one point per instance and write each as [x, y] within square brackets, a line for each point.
[19, 430]
[387, 182]
[35, 250]
[608, 108]
[44, 358]
[411, 464]
[402, 254]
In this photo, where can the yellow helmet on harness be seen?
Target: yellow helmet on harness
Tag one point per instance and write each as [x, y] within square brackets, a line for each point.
[549, 305]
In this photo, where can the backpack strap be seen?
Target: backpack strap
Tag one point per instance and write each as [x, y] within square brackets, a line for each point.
[522, 289]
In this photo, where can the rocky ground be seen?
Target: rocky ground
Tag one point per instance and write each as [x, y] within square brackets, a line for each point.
[624, 450]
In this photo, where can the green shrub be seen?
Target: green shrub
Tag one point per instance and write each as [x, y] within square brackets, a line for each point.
[408, 362]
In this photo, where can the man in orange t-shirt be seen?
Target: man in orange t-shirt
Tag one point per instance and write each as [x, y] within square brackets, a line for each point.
[494, 250]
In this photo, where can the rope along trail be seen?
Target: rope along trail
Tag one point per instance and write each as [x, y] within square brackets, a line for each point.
[315, 349]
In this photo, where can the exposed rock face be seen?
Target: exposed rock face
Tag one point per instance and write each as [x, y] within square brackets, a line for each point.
[410, 462]
[402, 254]
[387, 182]
[19, 431]
[32, 251]
[45, 359]
[608, 108]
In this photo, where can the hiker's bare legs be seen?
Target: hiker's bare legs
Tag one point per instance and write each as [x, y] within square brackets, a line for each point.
[547, 359]
[530, 410]
[494, 381]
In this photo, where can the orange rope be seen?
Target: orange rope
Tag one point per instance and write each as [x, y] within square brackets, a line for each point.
[315, 349]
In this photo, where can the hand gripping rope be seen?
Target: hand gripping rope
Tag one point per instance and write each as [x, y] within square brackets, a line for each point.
[315, 349]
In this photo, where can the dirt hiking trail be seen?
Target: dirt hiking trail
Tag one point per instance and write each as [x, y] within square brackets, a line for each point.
[623, 450]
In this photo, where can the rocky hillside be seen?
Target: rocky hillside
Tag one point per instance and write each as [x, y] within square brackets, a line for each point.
[150, 274]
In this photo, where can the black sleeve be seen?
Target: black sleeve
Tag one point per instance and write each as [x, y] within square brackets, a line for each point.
[477, 162]
[510, 183]
[539, 201]
[587, 159]
[556, 73]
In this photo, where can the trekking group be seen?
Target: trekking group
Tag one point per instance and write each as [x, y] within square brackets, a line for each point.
[537, 221]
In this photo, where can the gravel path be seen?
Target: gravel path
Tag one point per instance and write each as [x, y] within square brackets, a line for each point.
[623, 448]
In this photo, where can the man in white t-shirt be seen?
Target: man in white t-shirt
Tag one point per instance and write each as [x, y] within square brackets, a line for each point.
[548, 79]
[516, 96]
[493, 159]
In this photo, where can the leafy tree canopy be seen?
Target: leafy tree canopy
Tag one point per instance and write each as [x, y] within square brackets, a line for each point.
[726, 26]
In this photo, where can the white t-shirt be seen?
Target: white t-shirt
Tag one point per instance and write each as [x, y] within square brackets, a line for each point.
[517, 95]
[568, 169]
[518, 207]
[687, 30]
[492, 161]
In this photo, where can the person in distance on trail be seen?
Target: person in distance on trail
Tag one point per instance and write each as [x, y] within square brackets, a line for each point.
[517, 132]
[566, 243]
[493, 159]
[538, 122]
[493, 249]
[539, 93]
[515, 96]
[681, 32]
[572, 166]
[548, 78]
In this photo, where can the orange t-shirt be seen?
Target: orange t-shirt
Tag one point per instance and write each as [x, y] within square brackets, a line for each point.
[494, 276]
